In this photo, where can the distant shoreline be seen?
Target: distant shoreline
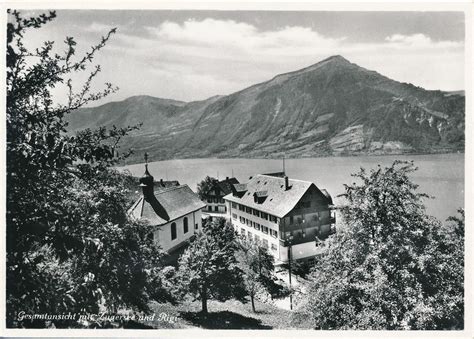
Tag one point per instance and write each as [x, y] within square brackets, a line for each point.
[352, 155]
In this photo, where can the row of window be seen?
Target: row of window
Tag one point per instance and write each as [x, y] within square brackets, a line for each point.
[255, 212]
[257, 226]
[216, 209]
[215, 200]
[174, 231]
[317, 216]
[256, 238]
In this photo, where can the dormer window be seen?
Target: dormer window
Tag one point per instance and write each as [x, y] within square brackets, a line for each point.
[260, 196]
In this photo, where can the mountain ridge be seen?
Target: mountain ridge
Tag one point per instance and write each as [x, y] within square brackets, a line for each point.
[332, 107]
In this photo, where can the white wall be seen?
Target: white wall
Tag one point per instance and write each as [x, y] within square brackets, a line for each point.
[163, 233]
[238, 226]
[300, 251]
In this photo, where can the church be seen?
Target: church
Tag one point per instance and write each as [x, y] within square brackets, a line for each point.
[173, 213]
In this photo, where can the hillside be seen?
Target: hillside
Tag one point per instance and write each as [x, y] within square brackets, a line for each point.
[330, 108]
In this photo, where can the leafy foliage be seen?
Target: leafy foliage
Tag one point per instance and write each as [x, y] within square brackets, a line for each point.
[70, 245]
[206, 186]
[390, 266]
[256, 265]
[208, 268]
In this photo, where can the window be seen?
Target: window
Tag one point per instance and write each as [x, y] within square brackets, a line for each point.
[264, 215]
[196, 226]
[257, 226]
[274, 247]
[173, 231]
[249, 234]
[209, 208]
[316, 216]
[185, 225]
[234, 205]
[248, 210]
[291, 220]
[265, 229]
[234, 216]
[241, 207]
[216, 208]
[274, 233]
[273, 218]
[265, 243]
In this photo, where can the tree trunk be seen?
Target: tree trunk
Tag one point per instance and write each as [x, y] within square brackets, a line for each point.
[253, 303]
[204, 300]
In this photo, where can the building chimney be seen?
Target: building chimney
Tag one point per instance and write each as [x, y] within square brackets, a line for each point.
[287, 185]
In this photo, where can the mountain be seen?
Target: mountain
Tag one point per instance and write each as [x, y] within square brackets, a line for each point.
[333, 107]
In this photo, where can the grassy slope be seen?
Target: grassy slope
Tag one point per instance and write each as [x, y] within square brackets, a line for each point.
[231, 314]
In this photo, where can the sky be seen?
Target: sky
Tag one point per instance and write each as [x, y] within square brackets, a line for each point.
[192, 55]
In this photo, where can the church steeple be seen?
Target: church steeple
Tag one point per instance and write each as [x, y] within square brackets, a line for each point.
[147, 181]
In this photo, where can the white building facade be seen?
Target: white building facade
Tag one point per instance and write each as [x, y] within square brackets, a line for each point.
[283, 215]
[174, 213]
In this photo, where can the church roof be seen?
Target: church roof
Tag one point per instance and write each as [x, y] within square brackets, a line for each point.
[167, 204]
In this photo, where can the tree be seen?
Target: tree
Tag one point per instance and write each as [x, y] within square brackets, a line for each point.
[256, 265]
[206, 186]
[208, 268]
[70, 244]
[390, 266]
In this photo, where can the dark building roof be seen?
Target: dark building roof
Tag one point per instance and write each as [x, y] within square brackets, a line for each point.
[276, 174]
[166, 204]
[278, 201]
[226, 185]
[161, 184]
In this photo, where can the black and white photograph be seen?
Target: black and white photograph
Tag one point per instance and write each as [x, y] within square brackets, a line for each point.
[253, 167]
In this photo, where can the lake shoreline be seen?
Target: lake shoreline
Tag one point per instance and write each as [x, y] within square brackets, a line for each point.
[438, 175]
[321, 156]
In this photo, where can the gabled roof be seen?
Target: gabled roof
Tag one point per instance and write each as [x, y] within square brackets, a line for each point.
[226, 185]
[327, 195]
[166, 205]
[279, 202]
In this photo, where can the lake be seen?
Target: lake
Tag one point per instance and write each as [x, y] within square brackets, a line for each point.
[439, 175]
